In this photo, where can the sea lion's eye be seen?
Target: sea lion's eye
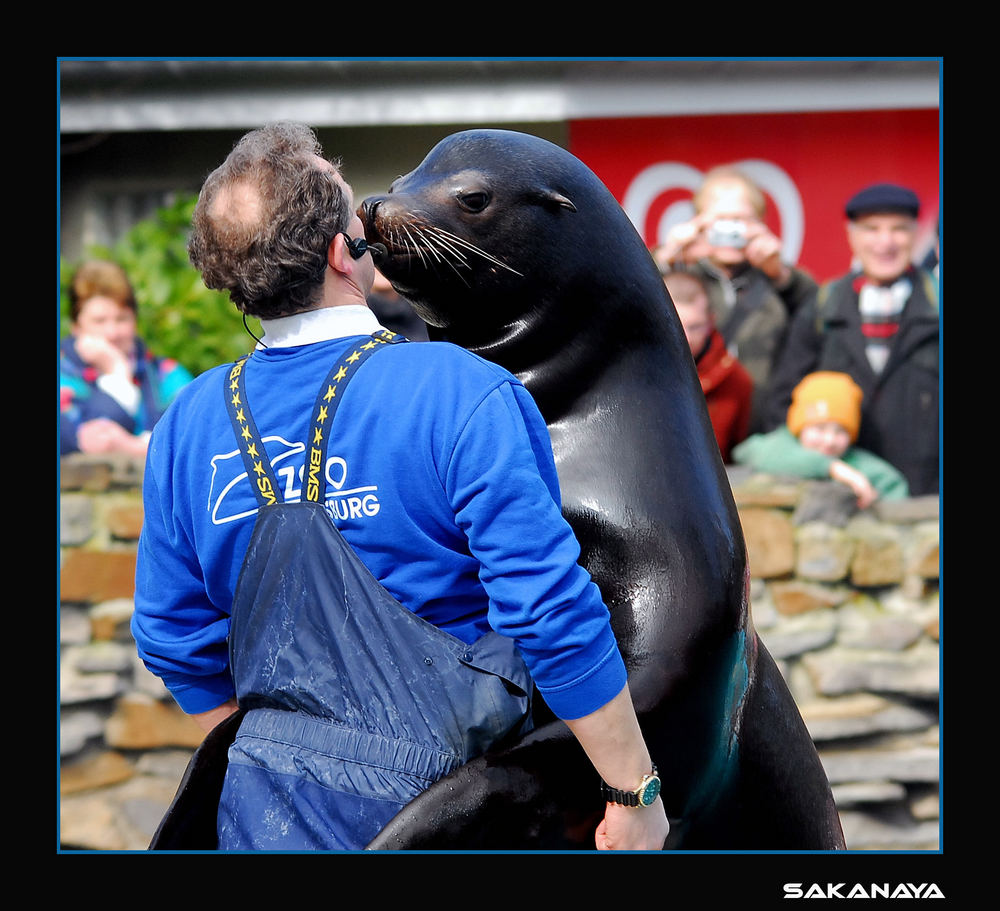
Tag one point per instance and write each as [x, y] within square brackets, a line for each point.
[475, 201]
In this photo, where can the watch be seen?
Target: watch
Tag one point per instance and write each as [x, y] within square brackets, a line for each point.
[642, 796]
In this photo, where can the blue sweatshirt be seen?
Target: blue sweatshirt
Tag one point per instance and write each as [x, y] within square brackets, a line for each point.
[440, 476]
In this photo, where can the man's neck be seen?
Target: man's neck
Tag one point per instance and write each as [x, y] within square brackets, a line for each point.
[319, 325]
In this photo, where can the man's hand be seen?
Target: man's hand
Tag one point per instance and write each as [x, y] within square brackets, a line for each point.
[633, 828]
[208, 720]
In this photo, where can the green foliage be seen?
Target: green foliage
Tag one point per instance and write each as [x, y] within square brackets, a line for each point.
[178, 316]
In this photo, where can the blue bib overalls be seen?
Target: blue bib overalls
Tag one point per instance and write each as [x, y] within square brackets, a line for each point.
[354, 705]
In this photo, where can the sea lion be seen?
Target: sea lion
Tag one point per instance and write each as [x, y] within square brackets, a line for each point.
[511, 247]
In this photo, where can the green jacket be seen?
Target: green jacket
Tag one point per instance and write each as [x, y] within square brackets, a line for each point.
[780, 453]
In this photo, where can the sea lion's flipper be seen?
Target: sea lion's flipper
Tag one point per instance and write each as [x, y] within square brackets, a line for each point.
[526, 797]
[190, 822]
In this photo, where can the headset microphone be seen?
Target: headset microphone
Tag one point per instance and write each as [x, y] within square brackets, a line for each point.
[358, 247]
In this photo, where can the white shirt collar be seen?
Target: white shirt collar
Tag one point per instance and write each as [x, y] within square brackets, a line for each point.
[319, 326]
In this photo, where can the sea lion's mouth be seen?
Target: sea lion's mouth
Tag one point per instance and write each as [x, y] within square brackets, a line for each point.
[410, 240]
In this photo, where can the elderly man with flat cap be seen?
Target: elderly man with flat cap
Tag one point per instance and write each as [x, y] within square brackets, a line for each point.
[879, 324]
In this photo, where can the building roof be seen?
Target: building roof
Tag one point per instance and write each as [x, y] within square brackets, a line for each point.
[193, 94]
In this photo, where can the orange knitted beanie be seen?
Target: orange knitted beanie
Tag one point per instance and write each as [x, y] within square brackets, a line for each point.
[826, 396]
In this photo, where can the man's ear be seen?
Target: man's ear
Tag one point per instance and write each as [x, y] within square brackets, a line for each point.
[338, 256]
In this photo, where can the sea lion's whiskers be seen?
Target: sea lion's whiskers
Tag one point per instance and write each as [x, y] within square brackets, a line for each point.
[416, 246]
[431, 247]
[444, 245]
[462, 242]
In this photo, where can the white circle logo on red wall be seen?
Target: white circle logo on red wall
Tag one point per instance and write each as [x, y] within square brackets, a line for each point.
[665, 176]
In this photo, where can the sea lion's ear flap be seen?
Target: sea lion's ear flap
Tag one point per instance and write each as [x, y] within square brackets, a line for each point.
[557, 200]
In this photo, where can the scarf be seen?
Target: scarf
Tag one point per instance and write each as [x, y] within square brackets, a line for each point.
[881, 307]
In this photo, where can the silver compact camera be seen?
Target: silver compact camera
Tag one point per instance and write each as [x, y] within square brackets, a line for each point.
[728, 232]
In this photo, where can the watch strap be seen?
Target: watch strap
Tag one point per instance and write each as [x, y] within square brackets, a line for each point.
[626, 798]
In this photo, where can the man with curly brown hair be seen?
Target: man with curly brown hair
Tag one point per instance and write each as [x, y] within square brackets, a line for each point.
[374, 577]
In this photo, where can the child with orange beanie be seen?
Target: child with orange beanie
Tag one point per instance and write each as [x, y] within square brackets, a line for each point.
[818, 441]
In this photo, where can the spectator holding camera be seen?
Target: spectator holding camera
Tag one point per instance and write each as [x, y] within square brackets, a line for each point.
[879, 325]
[751, 290]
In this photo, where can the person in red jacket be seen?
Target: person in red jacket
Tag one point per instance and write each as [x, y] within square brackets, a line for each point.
[726, 383]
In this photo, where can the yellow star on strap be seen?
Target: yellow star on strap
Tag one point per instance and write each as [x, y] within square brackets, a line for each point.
[234, 385]
[354, 357]
[252, 450]
[258, 468]
[340, 374]
[317, 436]
[331, 391]
[241, 417]
[246, 433]
[368, 346]
[323, 414]
[236, 400]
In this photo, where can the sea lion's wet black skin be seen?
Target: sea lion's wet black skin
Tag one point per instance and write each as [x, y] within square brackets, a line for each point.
[578, 311]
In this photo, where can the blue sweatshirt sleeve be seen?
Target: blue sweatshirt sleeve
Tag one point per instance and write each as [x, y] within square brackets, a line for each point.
[180, 634]
[503, 487]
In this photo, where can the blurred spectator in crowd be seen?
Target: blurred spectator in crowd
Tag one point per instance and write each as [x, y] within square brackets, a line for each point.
[751, 291]
[727, 386]
[394, 311]
[879, 324]
[112, 390]
[817, 441]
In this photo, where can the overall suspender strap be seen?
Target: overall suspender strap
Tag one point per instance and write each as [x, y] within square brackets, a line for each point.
[259, 472]
[258, 467]
[330, 395]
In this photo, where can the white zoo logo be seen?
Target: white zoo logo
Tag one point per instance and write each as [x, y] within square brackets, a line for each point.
[664, 176]
[352, 503]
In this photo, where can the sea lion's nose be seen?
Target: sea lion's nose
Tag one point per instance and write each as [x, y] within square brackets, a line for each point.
[368, 209]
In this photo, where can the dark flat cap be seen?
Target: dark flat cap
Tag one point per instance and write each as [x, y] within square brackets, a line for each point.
[883, 198]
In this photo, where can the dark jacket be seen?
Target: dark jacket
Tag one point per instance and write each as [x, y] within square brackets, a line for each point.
[899, 419]
[752, 316]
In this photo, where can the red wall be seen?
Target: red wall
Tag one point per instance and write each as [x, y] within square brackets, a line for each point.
[809, 165]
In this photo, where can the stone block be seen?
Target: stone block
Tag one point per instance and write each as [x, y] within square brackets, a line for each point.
[80, 472]
[893, 760]
[823, 552]
[763, 491]
[106, 768]
[74, 625]
[109, 620]
[864, 624]
[770, 542]
[803, 633]
[76, 686]
[90, 576]
[76, 519]
[124, 521]
[907, 511]
[878, 556]
[914, 672]
[77, 726]
[862, 715]
[142, 723]
[924, 558]
[885, 830]
[795, 597]
[825, 501]
[865, 792]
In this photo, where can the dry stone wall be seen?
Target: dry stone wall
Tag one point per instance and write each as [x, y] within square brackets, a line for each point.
[846, 602]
